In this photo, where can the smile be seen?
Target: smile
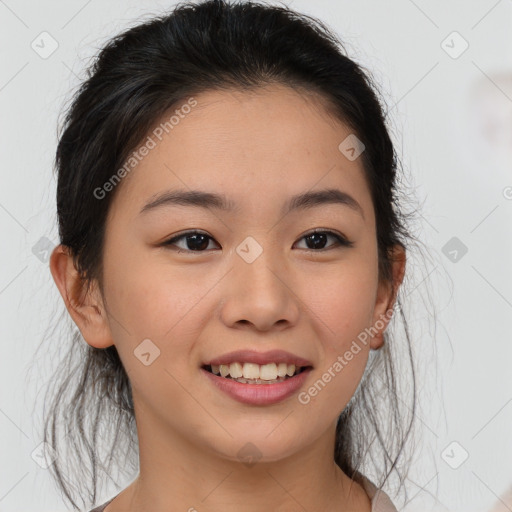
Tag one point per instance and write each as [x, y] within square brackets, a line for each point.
[258, 390]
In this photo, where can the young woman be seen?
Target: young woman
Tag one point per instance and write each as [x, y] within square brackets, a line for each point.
[231, 251]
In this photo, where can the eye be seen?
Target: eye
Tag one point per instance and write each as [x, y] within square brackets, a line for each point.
[195, 241]
[198, 241]
[316, 240]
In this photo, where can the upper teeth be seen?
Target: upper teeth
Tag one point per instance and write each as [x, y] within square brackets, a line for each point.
[269, 371]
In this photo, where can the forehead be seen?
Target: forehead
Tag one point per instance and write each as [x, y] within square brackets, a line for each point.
[253, 146]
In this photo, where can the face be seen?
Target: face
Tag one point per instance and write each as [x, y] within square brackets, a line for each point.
[250, 277]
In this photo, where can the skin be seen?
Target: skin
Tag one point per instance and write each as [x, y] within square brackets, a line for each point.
[258, 149]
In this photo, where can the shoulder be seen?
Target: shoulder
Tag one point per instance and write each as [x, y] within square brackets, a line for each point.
[101, 508]
[381, 502]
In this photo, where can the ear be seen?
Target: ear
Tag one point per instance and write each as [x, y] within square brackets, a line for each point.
[85, 308]
[386, 296]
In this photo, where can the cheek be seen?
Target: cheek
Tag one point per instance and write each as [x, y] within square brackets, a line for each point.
[149, 304]
[152, 301]
[343, 314]
[343, 302]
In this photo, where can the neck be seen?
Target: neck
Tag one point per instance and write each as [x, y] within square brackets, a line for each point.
[176, 474]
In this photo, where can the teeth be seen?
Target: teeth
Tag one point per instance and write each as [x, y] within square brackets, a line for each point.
[252, 371]
[235, 370]
[259, 381]
[268, 372]
[281, 369]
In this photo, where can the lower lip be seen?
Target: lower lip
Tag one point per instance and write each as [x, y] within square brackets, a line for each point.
[259, 394]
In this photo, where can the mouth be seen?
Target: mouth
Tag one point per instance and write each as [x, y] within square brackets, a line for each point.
[252, 373]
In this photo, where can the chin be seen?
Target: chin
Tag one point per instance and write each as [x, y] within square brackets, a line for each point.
[258, 447]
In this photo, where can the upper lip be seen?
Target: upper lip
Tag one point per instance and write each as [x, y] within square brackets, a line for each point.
[261, 358]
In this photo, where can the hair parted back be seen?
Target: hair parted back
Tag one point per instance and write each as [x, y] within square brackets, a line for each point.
[134, 80]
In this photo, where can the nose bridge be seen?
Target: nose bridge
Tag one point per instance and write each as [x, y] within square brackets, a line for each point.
[257, 265]
[258, 292]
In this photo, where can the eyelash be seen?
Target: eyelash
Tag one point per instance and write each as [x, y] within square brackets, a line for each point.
[342, 241]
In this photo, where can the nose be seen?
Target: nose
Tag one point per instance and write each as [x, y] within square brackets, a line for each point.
[260, 295]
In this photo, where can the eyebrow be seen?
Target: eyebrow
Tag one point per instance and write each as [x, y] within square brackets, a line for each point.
[201, 199]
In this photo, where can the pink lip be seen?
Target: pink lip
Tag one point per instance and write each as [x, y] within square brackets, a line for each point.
[251, 356]
[258, 394]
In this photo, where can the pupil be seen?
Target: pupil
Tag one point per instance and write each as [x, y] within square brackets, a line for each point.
[195, 238]
[316, 243]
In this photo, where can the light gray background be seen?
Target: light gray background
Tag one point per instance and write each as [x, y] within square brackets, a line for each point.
[443, 107]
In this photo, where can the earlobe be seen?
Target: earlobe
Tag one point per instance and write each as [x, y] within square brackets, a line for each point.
[386, 296]
[86, 308]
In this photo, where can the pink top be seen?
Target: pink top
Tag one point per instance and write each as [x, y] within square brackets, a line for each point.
[380, 500]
